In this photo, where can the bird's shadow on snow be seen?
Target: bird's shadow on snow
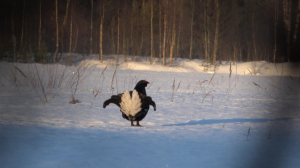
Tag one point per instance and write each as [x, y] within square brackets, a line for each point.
[236, 120]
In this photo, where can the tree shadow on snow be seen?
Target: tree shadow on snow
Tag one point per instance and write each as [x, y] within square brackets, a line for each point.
[236, 120]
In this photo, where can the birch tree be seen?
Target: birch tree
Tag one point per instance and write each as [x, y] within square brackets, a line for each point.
[179, 28]
[91, 38]
[23, 23]
[159, 27]
[40, 28]
[217, 11]
[71, 35]
[118, 35]
[151, 61]
[173, 35]
[165, 32]
[57, 42]
[192, 26]
[101, 35]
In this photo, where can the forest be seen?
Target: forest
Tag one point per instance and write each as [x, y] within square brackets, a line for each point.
[163, 30]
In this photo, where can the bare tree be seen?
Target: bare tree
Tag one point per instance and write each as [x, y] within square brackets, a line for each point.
[173, 35]
[165, 32]
[91, 38]
[253, 36]
[206, 31]
[216, 32]
[159, 25]
[151, 32]
[71, 34]
[63, 25]
[124, 43]
[23, 24]
[275, 30]
[142, 34]
[118, 40]
[40, 28]
[192, 26]
[13, 33]
[179, 27]
[56, 21]
[101, 34]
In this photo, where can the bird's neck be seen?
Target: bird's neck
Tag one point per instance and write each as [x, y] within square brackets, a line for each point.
[140, 90]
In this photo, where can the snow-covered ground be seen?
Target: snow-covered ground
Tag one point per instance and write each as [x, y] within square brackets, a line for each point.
[247, 118]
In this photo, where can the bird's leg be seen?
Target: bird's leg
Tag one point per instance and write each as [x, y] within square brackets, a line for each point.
[132, 123]
[138, 123]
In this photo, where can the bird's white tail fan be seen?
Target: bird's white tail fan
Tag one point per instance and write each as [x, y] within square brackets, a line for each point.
[130, 105]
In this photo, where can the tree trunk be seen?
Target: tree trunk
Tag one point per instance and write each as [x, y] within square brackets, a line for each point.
[151, 32]
[165, 32]
[91, 39]
[143, 27]
[76, 39]
[294, 24]
[159, 24]
[131, 32]
[113, 45]
[23, 20]
[71, 36]
[63, 25]
[206, 31]
[56, 21]
[192, 25]
[173, 36]
[101, 35]
[124, 52]
[13, 33]
[275, 31]
[234, 52]
[40, 29]
[253, 38]
[216, 32]
[179, 29]
[118, 36]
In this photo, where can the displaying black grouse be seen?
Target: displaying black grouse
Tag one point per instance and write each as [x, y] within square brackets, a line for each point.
[134, 105]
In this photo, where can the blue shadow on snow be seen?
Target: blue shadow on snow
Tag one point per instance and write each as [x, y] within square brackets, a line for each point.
[236, 120]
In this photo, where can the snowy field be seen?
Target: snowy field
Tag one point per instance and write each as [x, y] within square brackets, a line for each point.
[249, 117]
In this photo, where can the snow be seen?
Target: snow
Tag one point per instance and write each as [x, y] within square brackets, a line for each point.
[206, 124]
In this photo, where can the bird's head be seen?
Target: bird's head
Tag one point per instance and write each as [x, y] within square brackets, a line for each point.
[140, 86]
[142, 83]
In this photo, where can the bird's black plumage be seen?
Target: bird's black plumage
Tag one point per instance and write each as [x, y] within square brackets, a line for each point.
[145, 102]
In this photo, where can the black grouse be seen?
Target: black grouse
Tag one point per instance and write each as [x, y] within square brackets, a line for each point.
[134, 105]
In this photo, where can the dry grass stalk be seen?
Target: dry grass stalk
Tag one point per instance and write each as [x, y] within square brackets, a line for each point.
[213, 77]
[151, 83]
[207, 95]
[79, 74]
[112, 81]
[247, 133]
[173, 87]
[177, 87]
[270, 134]
[41, 83]
[161, 86]
[230, 71]
[250, 71]
[277, 87]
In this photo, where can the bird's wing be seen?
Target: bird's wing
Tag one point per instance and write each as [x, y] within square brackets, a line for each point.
[115, 99]
[147, 100]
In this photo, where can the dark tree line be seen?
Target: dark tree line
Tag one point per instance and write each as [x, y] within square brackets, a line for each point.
[233, 30]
